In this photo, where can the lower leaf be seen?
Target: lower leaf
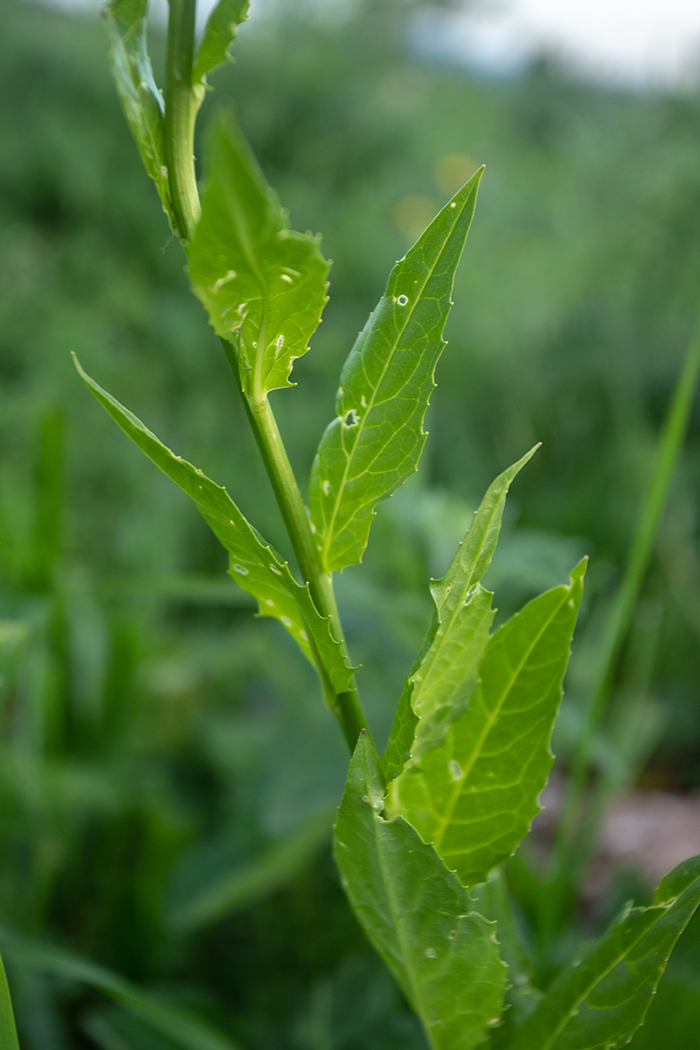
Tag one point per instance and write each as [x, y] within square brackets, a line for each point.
[417, 915]
[600, 1001]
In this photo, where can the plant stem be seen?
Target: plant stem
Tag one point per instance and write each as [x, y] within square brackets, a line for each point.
[347, 706]
[672, 439]
[182, 102]
[181, 105]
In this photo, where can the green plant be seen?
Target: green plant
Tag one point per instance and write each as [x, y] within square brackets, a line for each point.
[469, 750]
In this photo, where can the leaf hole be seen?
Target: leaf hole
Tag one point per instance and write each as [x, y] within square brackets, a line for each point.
[241, 569]
[402, 300]
[351, 419]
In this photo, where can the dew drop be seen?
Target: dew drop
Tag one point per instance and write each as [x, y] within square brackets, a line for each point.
[287, 278]
[304, 635]
[430, 952]
[402, 300]
[240, 568]
[326, 487]
[453, 205]
[270, 602]
[286, 621]
[456, 771]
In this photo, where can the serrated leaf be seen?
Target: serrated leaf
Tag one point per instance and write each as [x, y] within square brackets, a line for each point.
[416, 914]
[255, 566]
[139, 95]
[600, 1001]
[443, 675]
[375, 441]
[475, 795]
[262, 284]
[219, 33]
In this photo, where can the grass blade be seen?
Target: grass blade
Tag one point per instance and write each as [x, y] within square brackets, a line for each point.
[8, 1031]
[183, 1027]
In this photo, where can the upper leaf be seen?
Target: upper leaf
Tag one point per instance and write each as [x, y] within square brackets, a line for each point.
[443, 676]
[416, 914]
[262, 284]
[254, 564]
[219, 33]
[600, 1002]
[375, 441]
[475, 795]
[139, 95]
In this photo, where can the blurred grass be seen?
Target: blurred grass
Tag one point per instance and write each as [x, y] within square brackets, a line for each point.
[155, 739]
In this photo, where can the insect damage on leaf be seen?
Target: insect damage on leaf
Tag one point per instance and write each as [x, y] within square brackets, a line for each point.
[374, 443]
[262, 284]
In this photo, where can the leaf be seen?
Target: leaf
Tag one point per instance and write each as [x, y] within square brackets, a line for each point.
[262, 284]
[183, 1027]
[475, 796]
[250, 882]
[600, 1001]
[219, 33]
[255, 566]
[443, 677]
[375, 441]
[139, 95]
[8, 1032]
[416, 914]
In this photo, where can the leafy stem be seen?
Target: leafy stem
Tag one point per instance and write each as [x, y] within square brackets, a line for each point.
[182, 100]
[347, 706]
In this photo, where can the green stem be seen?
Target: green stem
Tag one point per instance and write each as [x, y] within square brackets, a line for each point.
[8, 1032]
[346, 706]
[182, 101]
[672, 439]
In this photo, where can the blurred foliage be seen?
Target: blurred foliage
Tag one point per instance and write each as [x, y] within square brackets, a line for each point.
[157, 744]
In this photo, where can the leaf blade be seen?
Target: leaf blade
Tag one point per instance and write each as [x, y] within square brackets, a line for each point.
[219, 33]
[262, 284]
[138, 92]
[602, 1000]
[375, 441]
[8, 1031]
[418, 917]
[475, 795]
[255, 566]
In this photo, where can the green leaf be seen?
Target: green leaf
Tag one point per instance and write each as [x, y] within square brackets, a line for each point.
[262, 284]
[416, 914]
[8, 1032]
[248, 883]
[139, 95]
[183, 1027]
[219, 33]
[600, 1001]
[375, 441]
[443, 676]
[475, 795]
[255, 566]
